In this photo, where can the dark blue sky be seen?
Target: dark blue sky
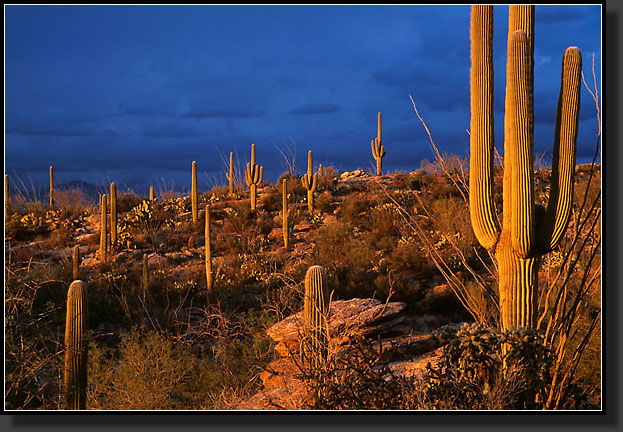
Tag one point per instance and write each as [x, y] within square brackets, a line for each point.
[135, 93]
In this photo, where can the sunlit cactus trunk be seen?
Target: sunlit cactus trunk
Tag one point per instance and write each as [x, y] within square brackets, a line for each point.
[253, 177]
[315, 309]
[76, 347]
[193, 193]
[285, 212]
[151, 193]
[528, 231]
[103, 228]
[208, 255]
[113, 214]
[51, 187]
[230, 174]
[378, 151]
[309, 182]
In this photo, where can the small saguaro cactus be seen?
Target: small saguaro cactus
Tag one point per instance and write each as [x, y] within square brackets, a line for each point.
[103, 228]
[315, 309]
[253, 176]
[230, 174]
[76, 263]
[113, 214]
[76, 353]
[193, 193]
[378, 151]
[285, 212]
[528, 231]
[51, 187]
[208, 254]
[309, 182]
[151, 193]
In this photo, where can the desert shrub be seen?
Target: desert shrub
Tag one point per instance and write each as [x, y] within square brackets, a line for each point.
[483, 368]
[324, 202]
[328, 179]
[354, 208]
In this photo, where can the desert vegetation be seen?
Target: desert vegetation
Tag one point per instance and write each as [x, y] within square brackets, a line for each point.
[483, 272]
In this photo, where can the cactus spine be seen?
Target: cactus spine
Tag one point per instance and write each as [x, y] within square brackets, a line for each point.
[230, 174]
[253, 176]
[151, 193]
[113, 214]
[208, 254]
[76, 263]
[315, 307]
[193, 192]
[285, 212]
[51, 187]
[309, 182]
[378, 151]
[76, 347]
[528, 231]
[103, 228]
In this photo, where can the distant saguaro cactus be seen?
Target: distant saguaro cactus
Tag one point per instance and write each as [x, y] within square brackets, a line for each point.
[113, 214]
[309, 182]
[315, 309]
[51, 187]
[528, 231]
[230, 174]
[285, 212]
[76, 354]
[103, 227]
[151, 193]
[378, 151]
[208, 254]
[76, 262]
[253, 176]
[193, 193]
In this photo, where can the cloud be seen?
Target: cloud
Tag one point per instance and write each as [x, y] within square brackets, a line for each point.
[314, 108]
[171, 130]
[222, 113]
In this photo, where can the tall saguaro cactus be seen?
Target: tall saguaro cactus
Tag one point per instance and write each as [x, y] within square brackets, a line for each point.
[208, 254]
[103, 228]
[76, 347]
[528, 231]
[51, 187]
[76, 263]
[309, 182]
[315, 308]
[113, 214]
[285, 212]
[378, 151]
[253, 176]
[230, 174]
[151, 193]
[194, 198]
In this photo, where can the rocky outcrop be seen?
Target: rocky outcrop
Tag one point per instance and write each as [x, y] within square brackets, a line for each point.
[388, 328]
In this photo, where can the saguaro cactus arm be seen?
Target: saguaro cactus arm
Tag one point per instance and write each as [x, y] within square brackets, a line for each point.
[482, 210]
[563, 162]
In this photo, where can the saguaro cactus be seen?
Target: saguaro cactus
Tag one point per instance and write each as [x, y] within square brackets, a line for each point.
[76, 262]
[309, 182]
[285, 212]
[51, 187]
[76, 347]
[528, 231]
[193, 193]
[103, 228]
[253, 176]
[208, 254]
[378, 151]
[113, 214]
[151, 193]
[230, 174]
[315, 308]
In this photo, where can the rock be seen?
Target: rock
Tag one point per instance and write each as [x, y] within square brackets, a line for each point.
[353, 174]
